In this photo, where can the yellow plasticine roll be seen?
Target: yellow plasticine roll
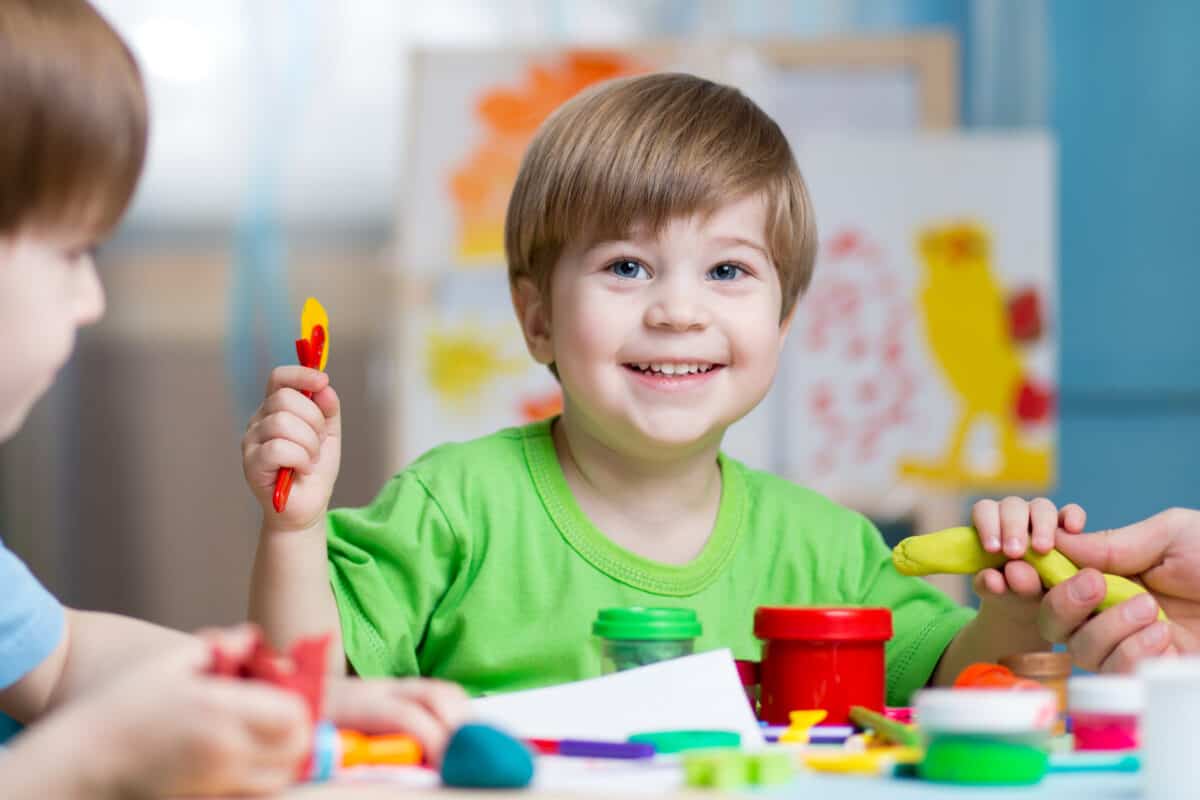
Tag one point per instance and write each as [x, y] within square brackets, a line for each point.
[958, 551]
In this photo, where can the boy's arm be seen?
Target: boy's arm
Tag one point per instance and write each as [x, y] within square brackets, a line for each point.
[290, 596]
[94, 648]
[989, 637]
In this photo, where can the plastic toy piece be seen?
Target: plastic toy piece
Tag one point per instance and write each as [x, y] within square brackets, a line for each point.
[729, 769]
[312, 349]
[875, 761]
[587, 748]
[482, 757]
[887, 729]
[958, 551]
[802, 721]
[335, 749]
[679, 741]
[395, 749]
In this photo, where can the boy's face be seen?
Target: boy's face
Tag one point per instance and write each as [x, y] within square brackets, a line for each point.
[48, 289]
[662, 342]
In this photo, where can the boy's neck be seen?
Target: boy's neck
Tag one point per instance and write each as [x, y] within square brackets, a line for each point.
[662, 509]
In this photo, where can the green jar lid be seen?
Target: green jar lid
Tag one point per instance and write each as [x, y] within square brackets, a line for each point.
[678, 741]
[647, 623]
[982, 761]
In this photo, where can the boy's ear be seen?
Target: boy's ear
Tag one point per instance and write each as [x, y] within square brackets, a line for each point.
[786, 325]
[534, 316]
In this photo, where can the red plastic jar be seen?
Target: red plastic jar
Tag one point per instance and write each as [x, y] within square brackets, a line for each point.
[830, 658]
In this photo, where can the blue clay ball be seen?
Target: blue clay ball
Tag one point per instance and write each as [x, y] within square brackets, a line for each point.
[482, 757]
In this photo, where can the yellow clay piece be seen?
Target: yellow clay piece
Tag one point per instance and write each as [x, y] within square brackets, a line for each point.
[958, 551]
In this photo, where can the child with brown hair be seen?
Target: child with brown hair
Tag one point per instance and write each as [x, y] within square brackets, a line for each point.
[117, 707]
[658, 238]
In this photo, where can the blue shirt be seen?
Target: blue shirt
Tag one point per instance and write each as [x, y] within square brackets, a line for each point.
[32, 622]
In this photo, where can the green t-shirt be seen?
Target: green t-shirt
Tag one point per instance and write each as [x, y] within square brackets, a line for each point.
[476, 565]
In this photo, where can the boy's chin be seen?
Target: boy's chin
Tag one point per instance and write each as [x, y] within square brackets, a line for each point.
[11, 422]
[664, 437]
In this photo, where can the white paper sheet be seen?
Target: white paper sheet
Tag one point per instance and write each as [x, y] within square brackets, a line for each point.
[701, 691]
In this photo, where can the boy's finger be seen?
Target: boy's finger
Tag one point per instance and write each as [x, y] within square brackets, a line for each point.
[265, 710]
[296, 377]
[285, 425]
[291, 401]
[1023, 579]
[417, 721]
[277, 453]
[448, 702]
[1152, 641]
[989, 581]
[1068, 605]
[1043, 522]
[1098, 639]
[1072, 518]
[1014, 526]
[330, 406]
[986, 518]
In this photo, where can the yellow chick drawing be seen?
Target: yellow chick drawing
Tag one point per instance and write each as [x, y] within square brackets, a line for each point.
[970, 336]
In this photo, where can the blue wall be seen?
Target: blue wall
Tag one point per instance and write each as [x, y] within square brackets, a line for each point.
[1126, 111]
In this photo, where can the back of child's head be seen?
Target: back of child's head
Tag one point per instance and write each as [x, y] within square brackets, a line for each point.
[72, 119]
[646, 150]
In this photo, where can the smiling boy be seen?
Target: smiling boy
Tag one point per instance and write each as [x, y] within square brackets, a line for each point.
[658, 238]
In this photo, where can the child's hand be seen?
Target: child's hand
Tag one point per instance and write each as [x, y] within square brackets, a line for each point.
[167, 728]
[289, 430]
[1013, 525]
[429, 710]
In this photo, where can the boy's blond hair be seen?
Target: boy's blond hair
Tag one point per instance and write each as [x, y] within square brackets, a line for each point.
[73, 136]
[646, 150]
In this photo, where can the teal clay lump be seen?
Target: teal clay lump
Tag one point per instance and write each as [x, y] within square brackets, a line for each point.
[482, 757]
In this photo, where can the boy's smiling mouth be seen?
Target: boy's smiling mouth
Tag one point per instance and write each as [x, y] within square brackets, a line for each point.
[672, 374]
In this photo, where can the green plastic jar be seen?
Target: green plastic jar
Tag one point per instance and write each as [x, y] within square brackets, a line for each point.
[634, 637]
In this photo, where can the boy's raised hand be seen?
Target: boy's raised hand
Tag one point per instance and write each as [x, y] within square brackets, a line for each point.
[1012, 526]
[290, 430]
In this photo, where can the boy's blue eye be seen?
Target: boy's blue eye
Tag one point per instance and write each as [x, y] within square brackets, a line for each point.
[725, 272]
[626, 268]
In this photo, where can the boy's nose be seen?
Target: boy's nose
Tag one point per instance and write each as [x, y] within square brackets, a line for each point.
[678, 312]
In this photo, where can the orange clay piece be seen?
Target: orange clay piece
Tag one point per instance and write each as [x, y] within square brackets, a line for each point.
[992, 676]
[385, 750]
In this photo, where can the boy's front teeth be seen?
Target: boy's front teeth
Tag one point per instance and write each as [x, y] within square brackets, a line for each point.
[674, 369]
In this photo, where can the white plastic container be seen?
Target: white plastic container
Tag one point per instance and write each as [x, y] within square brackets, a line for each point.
[1170, 764]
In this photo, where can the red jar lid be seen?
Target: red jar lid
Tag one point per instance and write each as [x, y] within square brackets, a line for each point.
[828, 624]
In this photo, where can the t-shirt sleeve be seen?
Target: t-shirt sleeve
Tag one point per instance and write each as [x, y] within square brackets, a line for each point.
[32, 621]
[391, 564]
[924, 620]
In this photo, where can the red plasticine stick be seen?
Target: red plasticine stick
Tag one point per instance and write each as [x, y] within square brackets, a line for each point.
[308, 351]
